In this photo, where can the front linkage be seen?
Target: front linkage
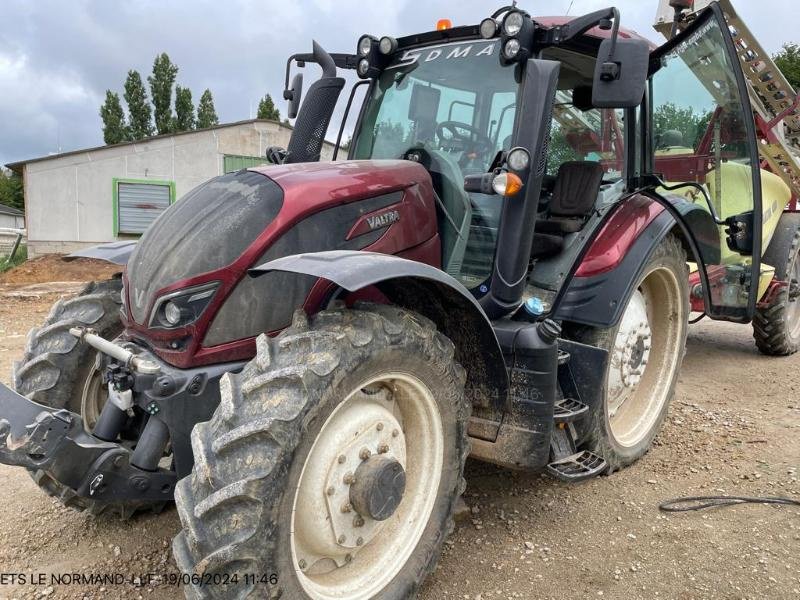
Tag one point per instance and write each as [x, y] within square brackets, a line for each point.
[162, 402]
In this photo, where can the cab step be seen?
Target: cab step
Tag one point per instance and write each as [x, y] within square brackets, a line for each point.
[569, 410]
[578, 467]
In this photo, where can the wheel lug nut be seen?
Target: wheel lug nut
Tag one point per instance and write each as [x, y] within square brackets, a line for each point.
[302, 564]
[359, 541]
[346, 507]
[349, 479]
[342, 539]
[383, 448]
[379, 427]
[364, 454]
[330, 491]
[358, 521]
[395, 433]
[348, 558]
[342, 458]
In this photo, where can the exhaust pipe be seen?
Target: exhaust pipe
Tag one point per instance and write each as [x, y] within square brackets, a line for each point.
[316, 112]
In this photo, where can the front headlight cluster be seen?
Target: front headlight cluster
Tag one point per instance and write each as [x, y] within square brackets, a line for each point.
[179, 309]
[516, 31]
[373, 54]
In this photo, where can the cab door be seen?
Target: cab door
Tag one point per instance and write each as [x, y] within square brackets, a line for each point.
[702, 145]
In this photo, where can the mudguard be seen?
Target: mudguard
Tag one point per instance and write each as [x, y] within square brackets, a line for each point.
[426, 290]
[116, 253]
[603, 281]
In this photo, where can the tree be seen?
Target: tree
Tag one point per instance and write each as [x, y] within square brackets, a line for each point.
[139, 112]
[184, 109]
[267, 110]
[11, 190]
[670, 118]
[161, 82]
[206, 115]
[114, 128]
[788, 61]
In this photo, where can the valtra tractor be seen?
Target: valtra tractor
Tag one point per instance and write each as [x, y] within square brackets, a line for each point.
[303, 355]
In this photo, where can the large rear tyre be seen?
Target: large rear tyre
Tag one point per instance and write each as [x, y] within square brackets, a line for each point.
[332, 466]
[59, 372]
[645, 351]
[776, 328]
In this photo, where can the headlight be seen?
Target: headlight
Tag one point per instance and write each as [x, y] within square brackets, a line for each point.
[387, 45]
[513, 23]
[488, 28]
[365, 45]
[511, 49]
[182, 308]
[518, 159]
[363, 67]
[172, 313]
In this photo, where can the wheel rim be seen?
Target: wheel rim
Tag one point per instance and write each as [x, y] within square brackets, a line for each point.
[645, 357]
[93, 397]
[793, 308]
[338, 552]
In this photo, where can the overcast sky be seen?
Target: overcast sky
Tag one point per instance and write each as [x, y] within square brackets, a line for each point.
[58, 57]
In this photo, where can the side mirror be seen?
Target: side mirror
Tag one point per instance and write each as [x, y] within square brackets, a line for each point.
[620, 77]
[294, 95]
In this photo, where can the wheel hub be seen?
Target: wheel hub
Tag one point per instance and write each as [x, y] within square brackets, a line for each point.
[631, 353]
[378, 487]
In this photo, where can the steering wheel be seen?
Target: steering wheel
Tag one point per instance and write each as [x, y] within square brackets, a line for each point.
[464, 135]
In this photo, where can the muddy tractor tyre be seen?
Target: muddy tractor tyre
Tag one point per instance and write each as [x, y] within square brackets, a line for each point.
[333, 464]
[776, 328]
[645, 350]
[58, 371]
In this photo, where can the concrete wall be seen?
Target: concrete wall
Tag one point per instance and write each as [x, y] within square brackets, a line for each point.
[69, 199]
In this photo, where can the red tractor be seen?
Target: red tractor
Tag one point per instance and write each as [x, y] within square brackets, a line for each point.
[303, 355]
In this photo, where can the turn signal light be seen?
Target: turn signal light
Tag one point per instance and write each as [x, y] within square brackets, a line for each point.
[443, 24]
[507, 184]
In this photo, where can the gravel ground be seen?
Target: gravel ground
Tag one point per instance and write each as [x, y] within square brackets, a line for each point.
[733, 429]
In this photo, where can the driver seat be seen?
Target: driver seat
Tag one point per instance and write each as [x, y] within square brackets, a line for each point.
[575, 192]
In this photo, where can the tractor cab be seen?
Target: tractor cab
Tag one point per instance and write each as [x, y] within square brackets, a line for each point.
[535, 130]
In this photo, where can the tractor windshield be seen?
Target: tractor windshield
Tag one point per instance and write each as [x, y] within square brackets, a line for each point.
[452, 108]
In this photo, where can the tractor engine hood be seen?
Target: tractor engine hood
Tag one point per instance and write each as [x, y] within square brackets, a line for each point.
[215, 231]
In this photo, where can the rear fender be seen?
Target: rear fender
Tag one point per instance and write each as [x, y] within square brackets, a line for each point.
[613, 261]
[423, 289]
[116, 253]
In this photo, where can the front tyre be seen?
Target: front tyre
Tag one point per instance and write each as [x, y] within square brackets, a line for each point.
[333, 463]
[645, 350]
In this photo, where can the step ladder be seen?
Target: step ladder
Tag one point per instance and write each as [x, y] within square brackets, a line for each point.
[775, 103]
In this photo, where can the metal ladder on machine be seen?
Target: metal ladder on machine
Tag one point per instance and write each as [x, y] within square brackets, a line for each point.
[775, 103]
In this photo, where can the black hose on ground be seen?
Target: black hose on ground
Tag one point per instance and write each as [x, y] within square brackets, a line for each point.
[702, 502]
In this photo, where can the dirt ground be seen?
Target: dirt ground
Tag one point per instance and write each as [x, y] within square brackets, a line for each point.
[734, 428]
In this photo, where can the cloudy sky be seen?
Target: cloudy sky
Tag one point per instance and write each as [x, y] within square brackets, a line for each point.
[58, 57]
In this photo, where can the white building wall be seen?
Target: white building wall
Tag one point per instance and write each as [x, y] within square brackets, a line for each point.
[69, 199]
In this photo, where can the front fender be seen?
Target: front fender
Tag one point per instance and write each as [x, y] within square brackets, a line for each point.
[116, 253]
[423, 289]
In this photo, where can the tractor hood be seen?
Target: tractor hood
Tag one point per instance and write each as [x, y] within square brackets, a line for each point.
[218, 228]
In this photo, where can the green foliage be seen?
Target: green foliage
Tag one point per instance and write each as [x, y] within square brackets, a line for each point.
[206, 115]
[788, 61]
[139, 112]
[184, 109]
[114, 128]
[11, 190]
[20, 257]
[684, 121]
[161, 82]
[267, 110]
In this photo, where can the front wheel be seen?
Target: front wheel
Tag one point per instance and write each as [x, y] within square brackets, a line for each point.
[333, 463]
[645, 351]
